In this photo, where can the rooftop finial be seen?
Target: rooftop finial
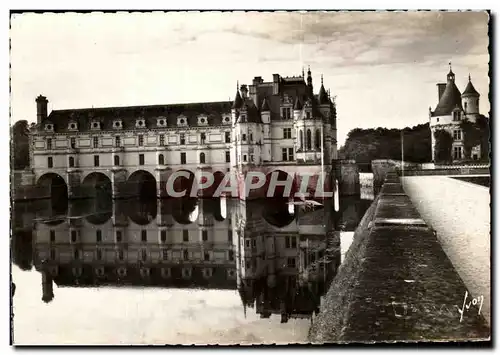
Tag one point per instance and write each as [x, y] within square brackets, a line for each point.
[450, 64]
[237, 85]
[321, 79]
[469, 77]
[303, 72]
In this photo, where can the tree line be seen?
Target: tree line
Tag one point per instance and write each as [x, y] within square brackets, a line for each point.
[365, 145]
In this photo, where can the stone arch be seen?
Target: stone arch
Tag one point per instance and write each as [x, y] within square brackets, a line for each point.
[55, 185]
[185, 210]
[99, 184]
[142, 212]
[181, 183]
[301, 135]
[143, 184]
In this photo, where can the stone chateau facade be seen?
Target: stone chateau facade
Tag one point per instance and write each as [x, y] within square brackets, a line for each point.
[276, 125]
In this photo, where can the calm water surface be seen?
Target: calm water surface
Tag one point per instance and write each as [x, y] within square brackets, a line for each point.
[186, 271]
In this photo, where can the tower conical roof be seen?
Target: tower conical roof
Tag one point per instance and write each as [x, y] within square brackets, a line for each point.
[238, 101]
[323, 96]
[450, 100]
[265, 106]
[470, 90]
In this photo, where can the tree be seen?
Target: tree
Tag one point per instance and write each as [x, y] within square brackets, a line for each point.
[442, 148]
[20, 144]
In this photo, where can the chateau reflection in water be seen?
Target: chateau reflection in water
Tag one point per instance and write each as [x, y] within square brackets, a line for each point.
[279, 256]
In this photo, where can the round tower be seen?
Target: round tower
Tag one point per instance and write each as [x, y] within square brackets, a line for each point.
[470, 99]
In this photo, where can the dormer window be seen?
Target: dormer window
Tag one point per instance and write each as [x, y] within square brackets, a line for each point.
[202, 120]
[72, 126]
[186, 273]
[161, 122]
[207, 273]
[49, 127]
[117, 124]
[308, 114]
[95, 125]
[140, 123]
[182, 121]
[226, 120]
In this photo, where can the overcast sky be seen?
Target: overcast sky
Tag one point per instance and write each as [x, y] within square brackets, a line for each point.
[383, 67]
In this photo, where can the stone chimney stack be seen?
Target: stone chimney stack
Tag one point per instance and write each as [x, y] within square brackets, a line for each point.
[244, 91]
[41, 108]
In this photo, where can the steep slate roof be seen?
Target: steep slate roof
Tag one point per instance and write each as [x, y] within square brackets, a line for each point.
[128, 115]
[450, 100]
[322, 97]
[470, 90]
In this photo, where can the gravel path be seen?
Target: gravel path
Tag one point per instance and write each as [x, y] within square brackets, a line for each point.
[460, 213]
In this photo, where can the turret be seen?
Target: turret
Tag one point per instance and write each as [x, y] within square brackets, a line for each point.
[41, 108]
[470, 99]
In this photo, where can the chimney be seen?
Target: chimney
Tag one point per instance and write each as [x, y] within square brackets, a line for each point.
[244, 91]
[257, 80]
[41, 108]
[441, 87]
[276, 81]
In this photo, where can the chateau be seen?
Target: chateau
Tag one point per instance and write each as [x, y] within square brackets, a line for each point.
[452, 109]
[276, 125]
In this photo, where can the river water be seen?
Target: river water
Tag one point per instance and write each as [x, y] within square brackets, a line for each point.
[177, 271]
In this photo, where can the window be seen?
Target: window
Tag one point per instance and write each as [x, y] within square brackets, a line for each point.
[185, 235]
[251, 137]
[204, 235]
[118, 141]
[49, 143]
[144, 254]
[244, 137]
[287, 133]
[161, 159]
[465, 106]
[308, 139]
[301, 135]
[457, 152]
[244, 157]
[308, 115]
[99, 254]
[72, 142]
[456, 116]
[231, 255]
[141, 140]
[50, 162]
[457, 134]
[118, 236]
[286, 113]
[162, 140]
[291, 242]
[116, 160]
[98, 236]
[96, 141]
[202, 158]
[251, 157]
[96, 160]
[52, 254]
[163, 236]
[73, 236]
[76, 254]
[290, 262]
[141, 159]
[185, 255]
[182, 138]
[228, 157]
[206, 256]
[227, 137]
[230, 236]
[247, 243]
[183, 158]
[164, 253]
[120, 254]
[287, 154]
[71, 162]
[317, 139]
[144, 236]
[52, 236]
[203, 137]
